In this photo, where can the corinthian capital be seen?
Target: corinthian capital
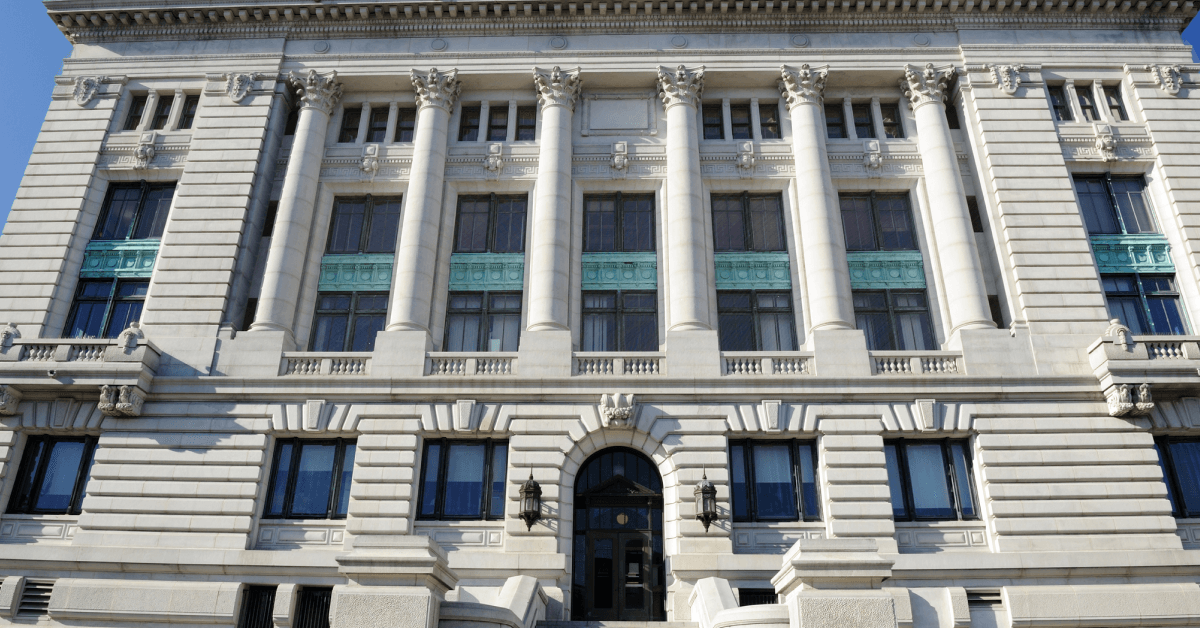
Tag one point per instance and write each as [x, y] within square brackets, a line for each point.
[925, 86]
[436, 89]
[681, 87]
[803, 86]
[557, 87]
[316, 90]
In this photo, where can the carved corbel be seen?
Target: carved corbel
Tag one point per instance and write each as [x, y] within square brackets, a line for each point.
[86, 88]
[745, 159]
[10, 397]
[1119, 333]
[1124, 400]
[1168, 78]
[620, 159]
[237, 86]
[144, 153]
[121, 400]
[1007, 77]
[369, 164]
[1106, 142]
[494, 162]
[617, 411]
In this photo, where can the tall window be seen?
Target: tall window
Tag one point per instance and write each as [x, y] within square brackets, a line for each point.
[377, 125]
[756, 321]
[748, 222]
[134, 211]
[162, 113]
[310, 479]
[713, 119]
[892, 126]
[835, 121]
[483, 321]
[526, 124]
[894, 320]
[619, 321]
[864, 125]
[765, 476]
[468, 124]
[105, 307]
[1114, 204]
[348, 321]
[1112, 99]
[1087, 103]
[497, 129]
[1146, 304]
[364, 225]
[768, 121]
[188, 117]
[930, 480]
[1060, 103]
[53, 474]
[350, 119]
[739, 122]
[618, 222]
[463, 479]
[1180, 462]
[137, 109]
[406, 124]
[490, 224]
[877, 222]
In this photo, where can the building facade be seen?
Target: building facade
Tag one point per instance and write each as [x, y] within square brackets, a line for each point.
[732, 312]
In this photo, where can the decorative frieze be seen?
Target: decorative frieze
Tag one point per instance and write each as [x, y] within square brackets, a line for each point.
[883, 270]
[753, 271]
[556, 87]
[316, 90]
[128, 259]
[487, 271]
[806, 85]
[436, 89]
[351, 273]
[925, 86]
[1132, 253]
[681, 87]
[620, 271]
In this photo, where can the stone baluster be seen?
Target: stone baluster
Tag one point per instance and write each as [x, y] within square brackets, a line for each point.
[950, 218]
[686, 238]
[827, 275]
[318, 94]
[416, 253]
[550, 250]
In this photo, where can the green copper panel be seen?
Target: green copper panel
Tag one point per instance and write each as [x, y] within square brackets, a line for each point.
[487, 271]
[886, 270]
[620, 271]
[753, 271]
[1132, 253]
[356, 273]
[132, 259]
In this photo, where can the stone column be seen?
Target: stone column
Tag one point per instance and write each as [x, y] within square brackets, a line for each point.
[823, 243]
[416, 252]
[550, 245]
[951, 221]
[289, 244]
[686, 237]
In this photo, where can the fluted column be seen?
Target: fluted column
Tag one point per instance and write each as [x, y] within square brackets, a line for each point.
[961, 271]
[416, 254]
[686, 260]
[827, 275]
[318, 94]
[550, 250]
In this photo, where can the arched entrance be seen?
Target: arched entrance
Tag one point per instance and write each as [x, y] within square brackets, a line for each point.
[618, 547]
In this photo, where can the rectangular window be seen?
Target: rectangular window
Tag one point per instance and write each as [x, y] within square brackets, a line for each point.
[973, 210]
[619, 321]
[497, 129]
[1114, 204]
[350, 119]
[468, 124]
[739, 120]
[768, 121]
[864, 126]
[1179, 459]
[134, 211]
[377, 124]
[463, 480]
[483, 321]
[765, 476]
[748, 222]
[952, 116]
[894, 320]
[137, 108]
[1146, 304]
[348, 321]
[312, 607]
[310, 479]
[1058, 100]
[162, 112]
[188, 116]
[289, 127]
[53, 475]
[1087, 103]
[714, 120]
[406, 124]
[364, 225]
[103, 308]
[835, 121]
[930, 480]
[756, 321]
[491, 224]
[1112, 98]
[877, 222]
[892, 126]
[526, 124]
[618, 222]
[258, 603]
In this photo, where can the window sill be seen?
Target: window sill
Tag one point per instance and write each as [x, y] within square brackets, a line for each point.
[774, 537]
[58, 529]
[299, 533]
[455, 535]
[914, 537]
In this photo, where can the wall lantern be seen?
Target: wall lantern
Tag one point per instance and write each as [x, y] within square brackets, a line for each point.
[531, 501]
[706, 502]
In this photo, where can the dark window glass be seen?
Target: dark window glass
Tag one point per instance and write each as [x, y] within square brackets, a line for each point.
[1116, 108]
[739, 120]
[364, 225]
[289, 127]
[526, 124]
[952, 116]
[1060, 104]
[894, 320]
[134, 211]
[473, 213]
[497, 130]
[1087, 103]
[619, 321]
[973, 210]
[892, 126]
[1146, 304]
[864, 126]
[503, 216]
[100, 311]
[137, 108]
[162, 112]
[377, 124]
[406, 124]
[618, 222]
[480, 321]
[748, 222]
[756, 321]
[997, 310]
[714, 122]
[350, 119]
[768, 121]
[835, 121]
[188, 117]
[1180, 462]
[258, 603]
[1114, 204]
[510, 224]
[269, 221]
[877, 222]
[312, 607]
[930, 480]
[348, 322]
[774, 481]
[310, 479]
[468, 124]
[463, 480]
[53, 474]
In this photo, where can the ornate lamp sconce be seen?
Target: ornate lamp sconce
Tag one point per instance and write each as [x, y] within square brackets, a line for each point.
[706, 502]
[531, 501]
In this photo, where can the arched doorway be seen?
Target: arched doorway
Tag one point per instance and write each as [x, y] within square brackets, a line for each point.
[618, 547]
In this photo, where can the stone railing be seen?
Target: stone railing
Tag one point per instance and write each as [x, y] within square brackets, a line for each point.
[465, 364]
[600, 364]
[757, 363]
[330, 364]
[1160, 349]
[917, 363]
[66, 350]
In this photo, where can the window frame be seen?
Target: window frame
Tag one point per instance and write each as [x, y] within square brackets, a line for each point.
[187, 117]
[110, 302]
[439, 505]
[843, 132]
[289, 494]
[137, 111]
[952, 482]
[775, 128]
[494, 201]
[139, 214]
[258, 602]
[497, 130]
[162, 112]
[744, 198]
[876, 224]
[369, 203]
[712, 128]
[1085, 95]
[1114, 205]
[619, 310]
[1146, 320]
[485, 311]
[465, 115]
[1060, 103]
[855, 108]
[897, 124]
[1111, 93]
[888, 293]
[1166, 461]
[619, 199]
[374, 127]
[737, 127]
[751, 497]
[347, 132]
[28, 484]
[406, 122]
[754, 310]
[352, 313]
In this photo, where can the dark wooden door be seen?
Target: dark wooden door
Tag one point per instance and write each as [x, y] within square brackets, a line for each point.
[621, 576]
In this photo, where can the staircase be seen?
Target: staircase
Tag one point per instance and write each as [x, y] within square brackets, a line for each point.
[617, 624]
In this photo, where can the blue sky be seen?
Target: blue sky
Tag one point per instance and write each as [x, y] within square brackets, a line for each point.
[34, 49]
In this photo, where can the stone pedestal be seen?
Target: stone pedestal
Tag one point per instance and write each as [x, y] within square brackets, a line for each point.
[545, 353]
[395, 582]
[835, 582]
[693, 353]
[400, 354]
[840, 352]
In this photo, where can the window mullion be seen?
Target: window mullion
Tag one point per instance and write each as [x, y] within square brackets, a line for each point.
[797, 489]
[108, 305]
[905, 488]
[618, 223]
[137, 214]
[334, 477]
[85, 463]
[486, 489]
[293, 471]
[1144, 302]
[747, 240]
[443, 455]
[877, 232]
[1113, 204]
[1171, 474]
[39, 474]
[493, 210]
[751, 493]
[951, 481]
[368, 218]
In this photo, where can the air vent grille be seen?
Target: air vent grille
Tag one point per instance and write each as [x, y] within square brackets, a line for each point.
[35, 597]
[983, 597]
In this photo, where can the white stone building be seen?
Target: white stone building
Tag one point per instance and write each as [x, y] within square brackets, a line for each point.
[854, 265]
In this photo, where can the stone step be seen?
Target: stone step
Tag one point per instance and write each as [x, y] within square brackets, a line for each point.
[617, 624]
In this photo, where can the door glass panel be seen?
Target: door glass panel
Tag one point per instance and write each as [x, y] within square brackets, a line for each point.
[634, 575]
[602, 578]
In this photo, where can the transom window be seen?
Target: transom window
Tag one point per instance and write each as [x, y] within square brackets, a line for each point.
[713, 120]
[768, 121]
[497, 129]
[930, 480]
[53, 474]
[463, 479]
[1180, 462]
[1114, 204]
[619, 321]
[618, 222]
[756, 321]
[1146, 304]
[765, 476]
[741, 121]
[103, 308]
[310, 479]
[348, 321]
[877, 222]
[748, 222]
[483, 321]
[364, 225]
[134, 211]
[406, 124]
[490, 224]
[894, 320]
